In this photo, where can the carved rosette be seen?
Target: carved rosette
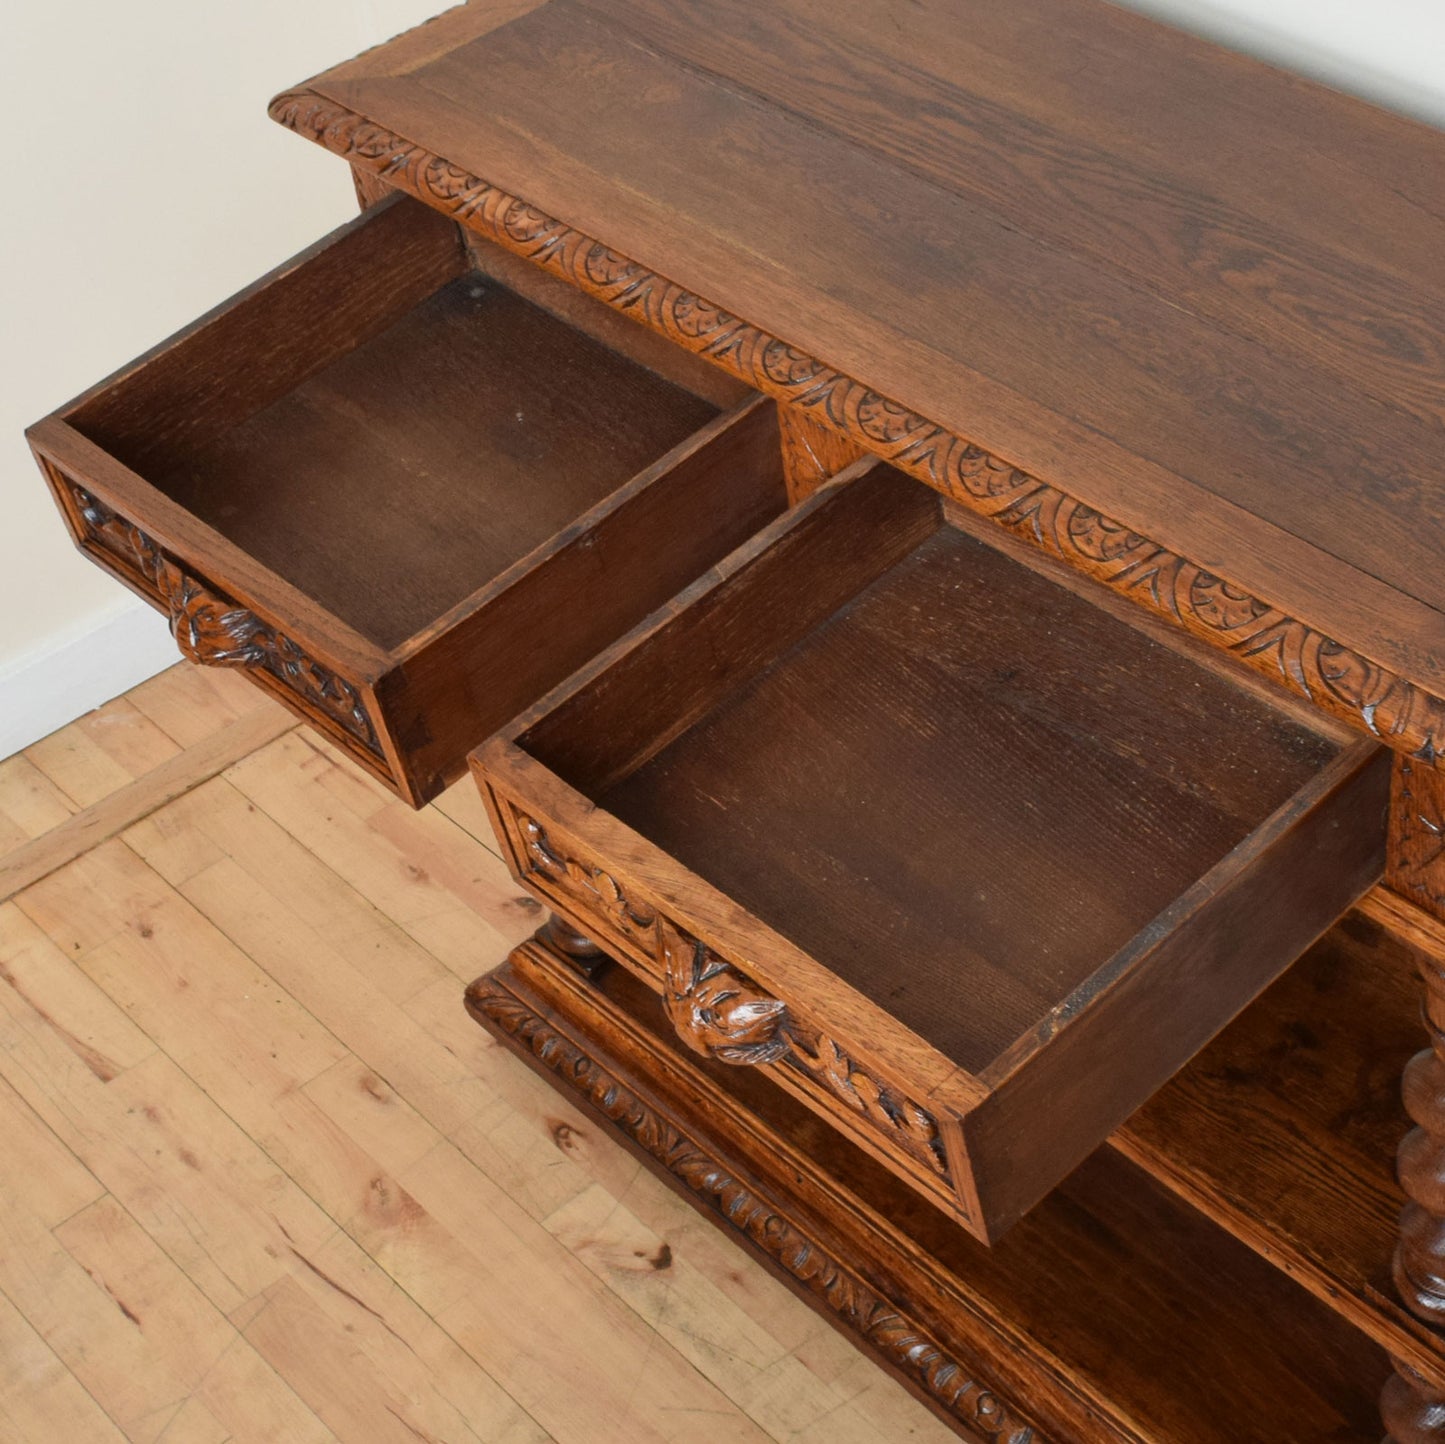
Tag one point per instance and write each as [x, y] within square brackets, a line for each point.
[1342, 681]
[874, 1319]
[723, 1015]
[216, 632]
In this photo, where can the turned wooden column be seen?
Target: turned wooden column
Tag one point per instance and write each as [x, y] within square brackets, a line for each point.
[576, 948]
[1414, 1409]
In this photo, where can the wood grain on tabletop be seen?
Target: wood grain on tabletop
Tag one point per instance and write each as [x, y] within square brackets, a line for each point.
[1248, 365]
[244, 1109]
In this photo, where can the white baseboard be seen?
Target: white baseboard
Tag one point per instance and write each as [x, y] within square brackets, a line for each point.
[70, 674]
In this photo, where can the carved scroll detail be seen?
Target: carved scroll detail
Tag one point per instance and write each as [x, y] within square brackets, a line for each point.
[594, 889]
[1333, 676]
[215, 632]
[722, 1014]
[880, 1326]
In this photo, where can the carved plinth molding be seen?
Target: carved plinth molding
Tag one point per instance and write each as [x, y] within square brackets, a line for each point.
[210, 629]
[1333, 676]
[878, 1323]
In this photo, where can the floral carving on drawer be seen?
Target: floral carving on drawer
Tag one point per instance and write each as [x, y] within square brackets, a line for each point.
[721, 1014]
[593, 889]
[715, 1010]
[212, 630]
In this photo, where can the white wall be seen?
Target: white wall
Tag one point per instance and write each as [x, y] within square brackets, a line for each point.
[146, 184]
[1389, 51]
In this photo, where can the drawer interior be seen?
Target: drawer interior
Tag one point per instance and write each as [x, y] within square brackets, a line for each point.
[387, 427]
[960, 785]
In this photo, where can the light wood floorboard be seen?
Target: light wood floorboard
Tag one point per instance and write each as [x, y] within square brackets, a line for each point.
[265, 1181]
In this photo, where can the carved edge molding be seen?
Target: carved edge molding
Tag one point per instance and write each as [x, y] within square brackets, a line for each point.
[881, 1327]
[213, 631]
[719, 1013]
[1332, 676]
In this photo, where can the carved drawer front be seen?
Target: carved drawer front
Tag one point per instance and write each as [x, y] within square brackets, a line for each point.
[968, 862]
[717, 1011]
[404, 498]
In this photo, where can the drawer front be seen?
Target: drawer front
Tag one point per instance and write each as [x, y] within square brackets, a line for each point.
[716, 1009]
[217, 630]
[367, 478]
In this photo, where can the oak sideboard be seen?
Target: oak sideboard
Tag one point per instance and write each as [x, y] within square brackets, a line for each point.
[925, 521]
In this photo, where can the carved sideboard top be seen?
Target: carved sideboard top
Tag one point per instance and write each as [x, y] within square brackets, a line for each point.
[1169, 313]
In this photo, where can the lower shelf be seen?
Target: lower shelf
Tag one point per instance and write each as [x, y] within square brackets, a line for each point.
[1284, 1129]
[1113, 1312]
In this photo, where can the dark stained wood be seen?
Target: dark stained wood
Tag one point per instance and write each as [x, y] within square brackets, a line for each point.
[862, 818]
[1233, 395]
[1281, 647]
[635, 703]
[1284, 1128]
[490, 658]
[421, 465]
[1113, 1313]
[262, 343]
[1413, 1409]
[955, 96]
[369, 479]
[579, 951]
[1417, 836]
[1413, 1403]
[935, 717]
[586, 314]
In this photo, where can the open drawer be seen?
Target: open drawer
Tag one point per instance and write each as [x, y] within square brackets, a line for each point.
[403, 498]
[968, 861]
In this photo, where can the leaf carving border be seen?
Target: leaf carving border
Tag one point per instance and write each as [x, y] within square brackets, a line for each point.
[715, 1010]
[1334, 677]
[721, 1014]
[213, 632]
[868, 1314]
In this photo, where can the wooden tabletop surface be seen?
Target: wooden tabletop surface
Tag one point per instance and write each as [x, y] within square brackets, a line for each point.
[1194, 292]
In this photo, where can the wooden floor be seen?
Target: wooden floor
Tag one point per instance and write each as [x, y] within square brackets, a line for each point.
[262, 1179]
